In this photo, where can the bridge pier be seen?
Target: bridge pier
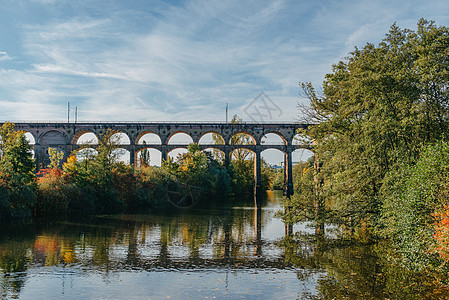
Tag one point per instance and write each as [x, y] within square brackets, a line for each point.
[288, 173]
[132, 155]
[37, 157]
[288, 185]
[163, 153]
[258, 192]
[227, 156]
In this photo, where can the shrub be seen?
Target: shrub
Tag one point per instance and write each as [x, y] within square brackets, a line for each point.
[414, 196]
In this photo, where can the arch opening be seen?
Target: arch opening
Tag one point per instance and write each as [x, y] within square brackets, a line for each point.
[52, 138]
[86, 138]
[120, 155]
[242, 154]
[301, 140]
[272, 139]
[149, 138]
[273, 157]
[176, 153]
[180, 138]
[153, 157]
[86, 154]
[242, 138]
[216, 154]
[211, 138]
[275, 163]
[120, 138]
[301, 155]
[32, 154]
[29, 137]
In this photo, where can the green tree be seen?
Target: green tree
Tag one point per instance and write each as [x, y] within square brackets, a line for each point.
[277, 182]
[302, 203]
[414, 194]
[108, 151]
[17, 156]
[379, 107]
[199, 169]
[16, 172]
[145, 158]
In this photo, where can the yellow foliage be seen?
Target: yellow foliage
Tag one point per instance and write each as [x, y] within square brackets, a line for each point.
[70, 165]
[304, 171]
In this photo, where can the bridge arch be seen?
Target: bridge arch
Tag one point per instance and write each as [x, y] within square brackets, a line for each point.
[83, 154]
[242, 152]
[120, 137]
[269, 149]
[52, 137]
[301, 140]
[150, 138]
[85, 137]
[217, 154]
[243, 137]
[179, 138]
[175, 151]
[121, 154]
[273, 138]
[30, 137]
[301, 154]
[207, 138]
[155, 156]
[275, 158]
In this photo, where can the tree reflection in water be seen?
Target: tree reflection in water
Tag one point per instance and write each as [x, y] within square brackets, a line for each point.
[356, 271]
[229, 239]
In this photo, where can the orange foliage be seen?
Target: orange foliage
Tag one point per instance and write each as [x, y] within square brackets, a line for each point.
[48, 177]
[54, 250]
[441, 234]
[44, 175]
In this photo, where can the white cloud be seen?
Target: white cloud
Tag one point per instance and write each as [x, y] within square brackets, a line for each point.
[4, 56]
[45, 2]
[184, 62]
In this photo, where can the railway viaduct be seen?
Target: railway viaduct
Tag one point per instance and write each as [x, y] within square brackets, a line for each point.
[65, 136]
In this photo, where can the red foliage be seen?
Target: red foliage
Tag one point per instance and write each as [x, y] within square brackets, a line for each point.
[441, 234]
[47, 174]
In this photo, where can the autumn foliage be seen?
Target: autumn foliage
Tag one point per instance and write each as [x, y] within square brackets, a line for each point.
[441, 234]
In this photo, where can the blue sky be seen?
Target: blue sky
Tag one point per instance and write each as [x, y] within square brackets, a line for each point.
[180, 60]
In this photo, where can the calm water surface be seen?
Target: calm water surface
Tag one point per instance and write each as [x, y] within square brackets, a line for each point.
[231, 252]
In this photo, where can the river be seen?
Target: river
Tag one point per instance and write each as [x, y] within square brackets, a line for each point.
[228, 251]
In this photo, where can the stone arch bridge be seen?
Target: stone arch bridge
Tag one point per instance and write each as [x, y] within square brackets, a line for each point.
[64, 137]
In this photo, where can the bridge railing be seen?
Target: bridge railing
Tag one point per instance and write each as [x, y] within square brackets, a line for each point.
[149, 122]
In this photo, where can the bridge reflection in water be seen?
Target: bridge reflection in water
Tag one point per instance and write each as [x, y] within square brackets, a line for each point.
[234, 252]
[65, 137]
[182, 240]
[227, 238]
